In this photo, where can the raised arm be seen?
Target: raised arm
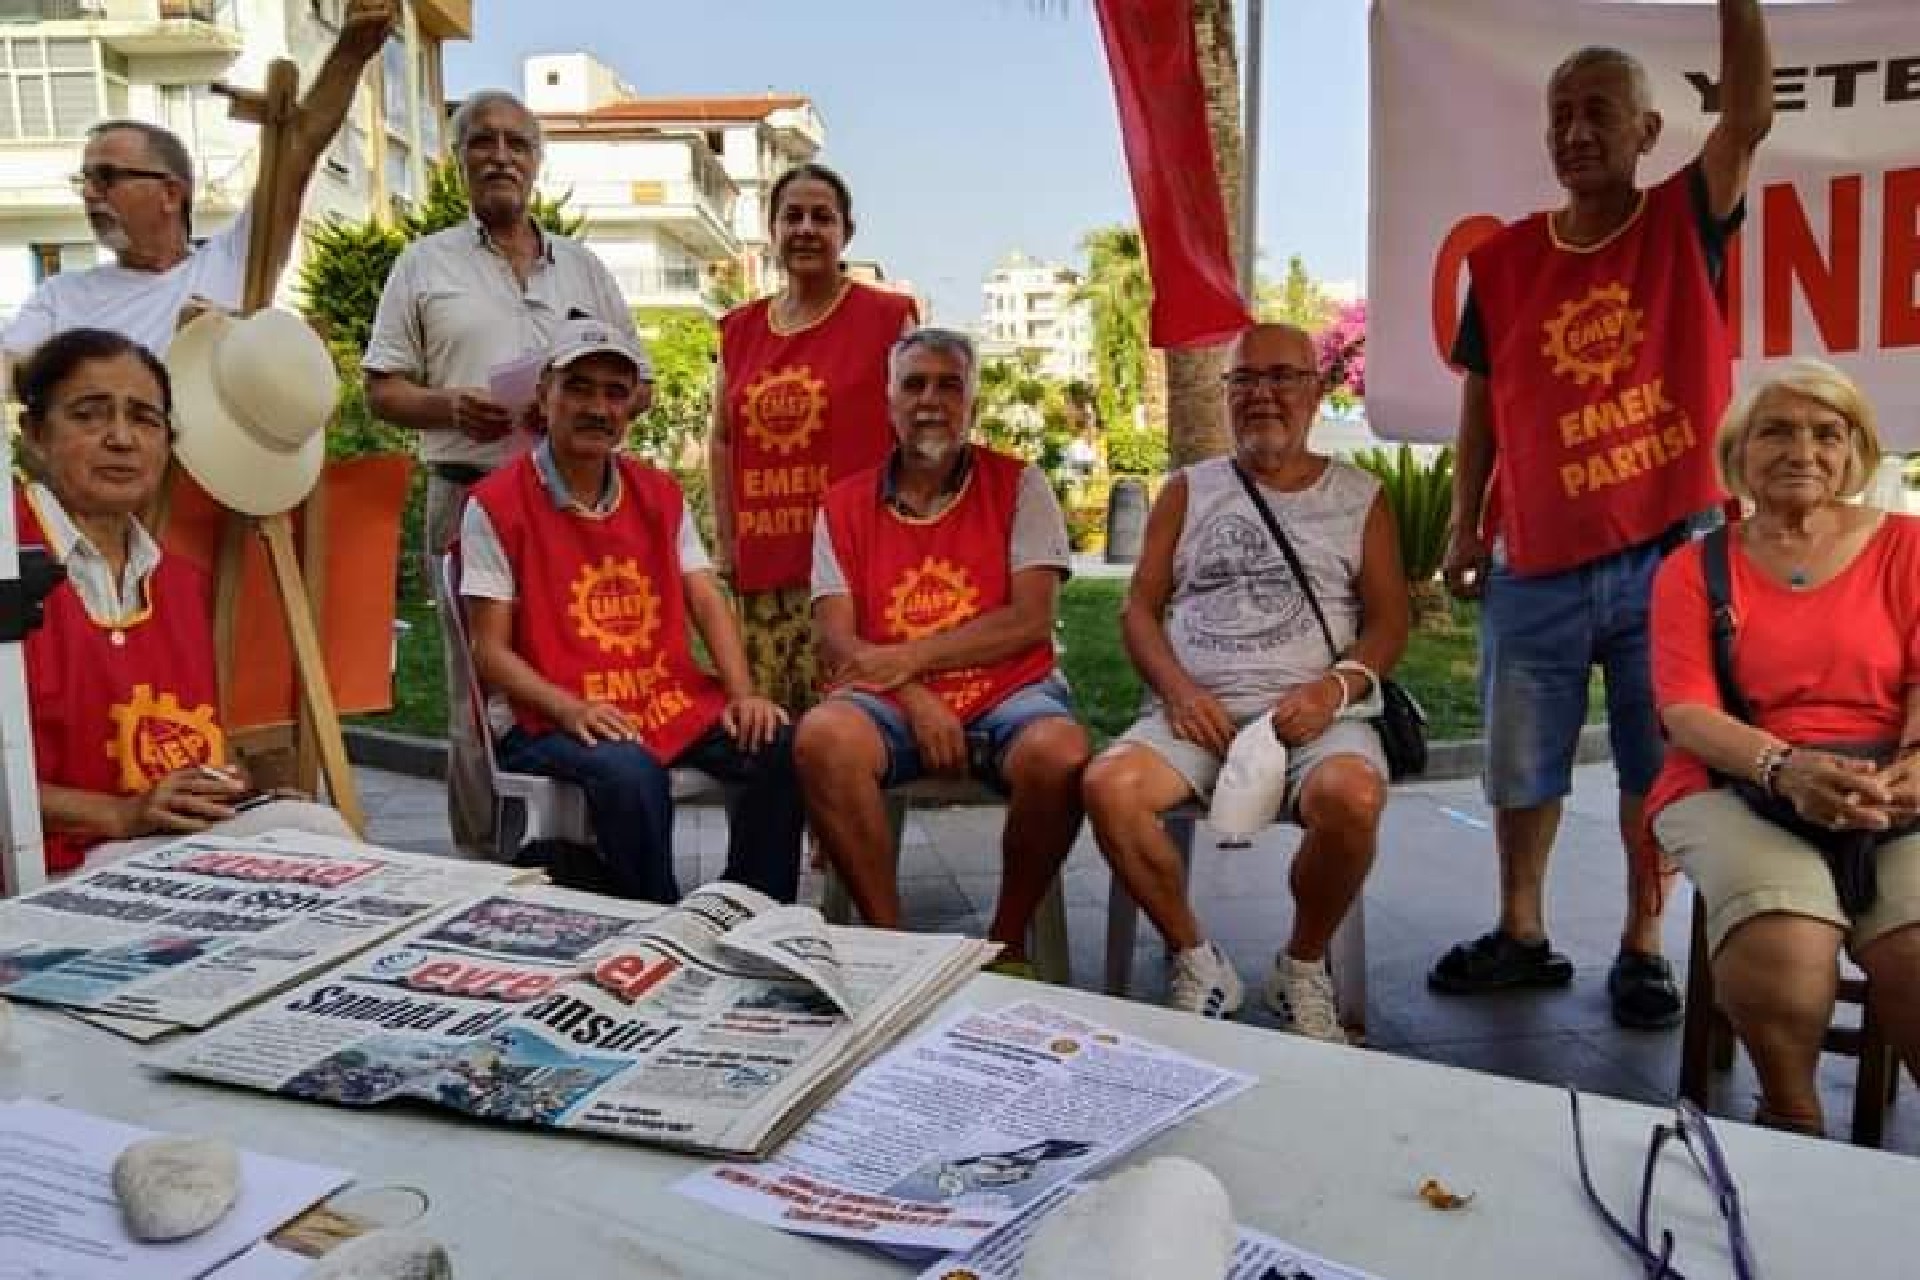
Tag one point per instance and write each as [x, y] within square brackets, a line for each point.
[1746, 104]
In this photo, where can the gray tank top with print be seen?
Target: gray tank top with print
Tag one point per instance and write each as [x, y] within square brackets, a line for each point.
[1238, 621]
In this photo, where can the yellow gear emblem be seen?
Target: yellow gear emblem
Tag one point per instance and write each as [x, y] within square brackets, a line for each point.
[784, 408]
[614, 606]
[153, 735]
[935, 597]
[1596, 338]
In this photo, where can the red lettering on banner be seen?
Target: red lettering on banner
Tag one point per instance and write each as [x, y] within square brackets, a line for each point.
[1900, 259]
[1831, 283]
[1449, 265]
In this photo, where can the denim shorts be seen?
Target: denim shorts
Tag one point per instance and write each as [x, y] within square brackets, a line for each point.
[1540, 638]
[989, 737]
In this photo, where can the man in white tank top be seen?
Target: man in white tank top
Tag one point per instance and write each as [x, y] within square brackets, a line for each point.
[1223, 635]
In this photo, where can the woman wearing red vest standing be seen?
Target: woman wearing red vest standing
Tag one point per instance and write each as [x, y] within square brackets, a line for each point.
[799, 403]
[127, 744]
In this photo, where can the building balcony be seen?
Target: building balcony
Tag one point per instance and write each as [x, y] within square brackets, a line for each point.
[676, 207]
[138, 27]
[685, 288]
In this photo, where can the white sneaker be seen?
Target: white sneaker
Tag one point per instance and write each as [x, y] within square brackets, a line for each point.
[1204, 983]
[1302, 995]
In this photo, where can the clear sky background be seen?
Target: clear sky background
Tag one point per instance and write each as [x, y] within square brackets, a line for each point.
[969, 128]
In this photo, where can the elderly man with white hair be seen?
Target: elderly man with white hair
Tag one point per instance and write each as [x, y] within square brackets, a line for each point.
[459, 305]
[136, 180]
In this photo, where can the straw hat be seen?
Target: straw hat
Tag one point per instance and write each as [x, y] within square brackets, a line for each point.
[252, 397]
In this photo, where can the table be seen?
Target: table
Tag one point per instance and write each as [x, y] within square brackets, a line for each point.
[1327, 1152]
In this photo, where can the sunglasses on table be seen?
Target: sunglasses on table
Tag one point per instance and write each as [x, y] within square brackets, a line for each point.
[1690, 1129]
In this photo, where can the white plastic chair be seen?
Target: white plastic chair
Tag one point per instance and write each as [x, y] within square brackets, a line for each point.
[541, 808]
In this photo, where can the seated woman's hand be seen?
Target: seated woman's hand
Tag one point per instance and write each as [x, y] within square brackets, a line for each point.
[186, 800]
[1835, 791]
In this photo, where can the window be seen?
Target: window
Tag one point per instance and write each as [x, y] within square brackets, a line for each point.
[399, 171]
[57, 88]
[393, 73]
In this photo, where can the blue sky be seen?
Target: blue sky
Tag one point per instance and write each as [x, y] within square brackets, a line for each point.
[971, 127]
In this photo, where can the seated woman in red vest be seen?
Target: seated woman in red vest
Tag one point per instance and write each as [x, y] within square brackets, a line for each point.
[581, 567]
[127, 746]
[935, 576]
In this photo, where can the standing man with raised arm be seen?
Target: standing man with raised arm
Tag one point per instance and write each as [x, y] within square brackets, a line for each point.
[136, 180]
[458, 305]
[1597, 365]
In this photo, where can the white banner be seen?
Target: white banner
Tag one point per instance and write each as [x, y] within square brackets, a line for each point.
[1829, 260]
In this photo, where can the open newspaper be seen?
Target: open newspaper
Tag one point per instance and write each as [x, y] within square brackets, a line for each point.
[716, 1025]
[966, 1127]
[185, 933]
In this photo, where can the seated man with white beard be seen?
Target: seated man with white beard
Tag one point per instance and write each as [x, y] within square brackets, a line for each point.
[1223, 634]
[935, 578]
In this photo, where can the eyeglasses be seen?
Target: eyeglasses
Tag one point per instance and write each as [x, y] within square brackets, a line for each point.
[108, 176]
[1280, 377]
[1690, 1127]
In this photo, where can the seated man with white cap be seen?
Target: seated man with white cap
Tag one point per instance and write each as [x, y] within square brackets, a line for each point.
[581, 568]
[1238, 654]
[128, 747]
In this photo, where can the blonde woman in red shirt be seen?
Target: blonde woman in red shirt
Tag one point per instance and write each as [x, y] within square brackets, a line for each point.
[1791, 792]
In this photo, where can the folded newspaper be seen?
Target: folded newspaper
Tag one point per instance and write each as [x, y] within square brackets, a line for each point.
[717, 1025]
[185, 933]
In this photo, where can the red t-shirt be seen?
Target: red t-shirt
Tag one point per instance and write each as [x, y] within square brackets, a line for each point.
[1830, 664]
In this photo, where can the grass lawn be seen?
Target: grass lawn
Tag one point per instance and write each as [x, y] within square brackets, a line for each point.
[1440, 667]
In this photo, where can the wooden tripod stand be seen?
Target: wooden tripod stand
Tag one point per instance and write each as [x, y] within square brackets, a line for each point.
[316, 718]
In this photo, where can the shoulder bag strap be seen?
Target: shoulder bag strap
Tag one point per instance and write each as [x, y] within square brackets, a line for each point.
[1722, 623]
[1293, 558]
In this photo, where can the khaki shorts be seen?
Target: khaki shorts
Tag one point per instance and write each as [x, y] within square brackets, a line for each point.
[1744, 866]
[1200, 767]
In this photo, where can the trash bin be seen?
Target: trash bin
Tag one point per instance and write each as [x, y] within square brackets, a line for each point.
[1126, 519]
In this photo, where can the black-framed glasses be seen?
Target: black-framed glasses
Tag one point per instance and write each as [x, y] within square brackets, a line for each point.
[1280, 377]
[108, 176]
[1691, 1129]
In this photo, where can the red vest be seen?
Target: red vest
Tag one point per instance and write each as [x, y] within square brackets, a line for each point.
[914, 578]
[804, 411]
[1611, 368]
[118, 707]
[602, 612]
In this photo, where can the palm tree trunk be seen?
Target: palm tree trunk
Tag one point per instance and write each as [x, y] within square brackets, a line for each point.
[1196, 402]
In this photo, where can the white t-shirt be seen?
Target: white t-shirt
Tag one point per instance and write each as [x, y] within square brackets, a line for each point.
[143, 305]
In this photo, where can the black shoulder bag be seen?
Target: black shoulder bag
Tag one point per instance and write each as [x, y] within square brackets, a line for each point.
[1849, 855]
[1401, 724]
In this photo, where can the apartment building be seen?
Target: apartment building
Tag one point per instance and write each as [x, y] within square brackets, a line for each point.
[1032, 313]
[67, 64]
[674, 190]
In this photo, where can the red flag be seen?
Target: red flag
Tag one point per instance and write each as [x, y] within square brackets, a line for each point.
[1183, 220]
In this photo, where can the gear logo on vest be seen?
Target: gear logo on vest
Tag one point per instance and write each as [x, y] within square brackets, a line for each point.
[615, 606]
[935, 597]
[1597, 338]
[153, 735]
[784, 407]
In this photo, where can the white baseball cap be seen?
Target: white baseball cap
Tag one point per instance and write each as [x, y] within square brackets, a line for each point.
[584, 336]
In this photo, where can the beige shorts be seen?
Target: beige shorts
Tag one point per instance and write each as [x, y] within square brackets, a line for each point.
[1744, 866]
[1200, 767]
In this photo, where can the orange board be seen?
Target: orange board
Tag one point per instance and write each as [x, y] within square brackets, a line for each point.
[363, 501]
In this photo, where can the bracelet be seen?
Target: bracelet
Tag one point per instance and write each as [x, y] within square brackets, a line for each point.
[1767, 766]
[1354, 664]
